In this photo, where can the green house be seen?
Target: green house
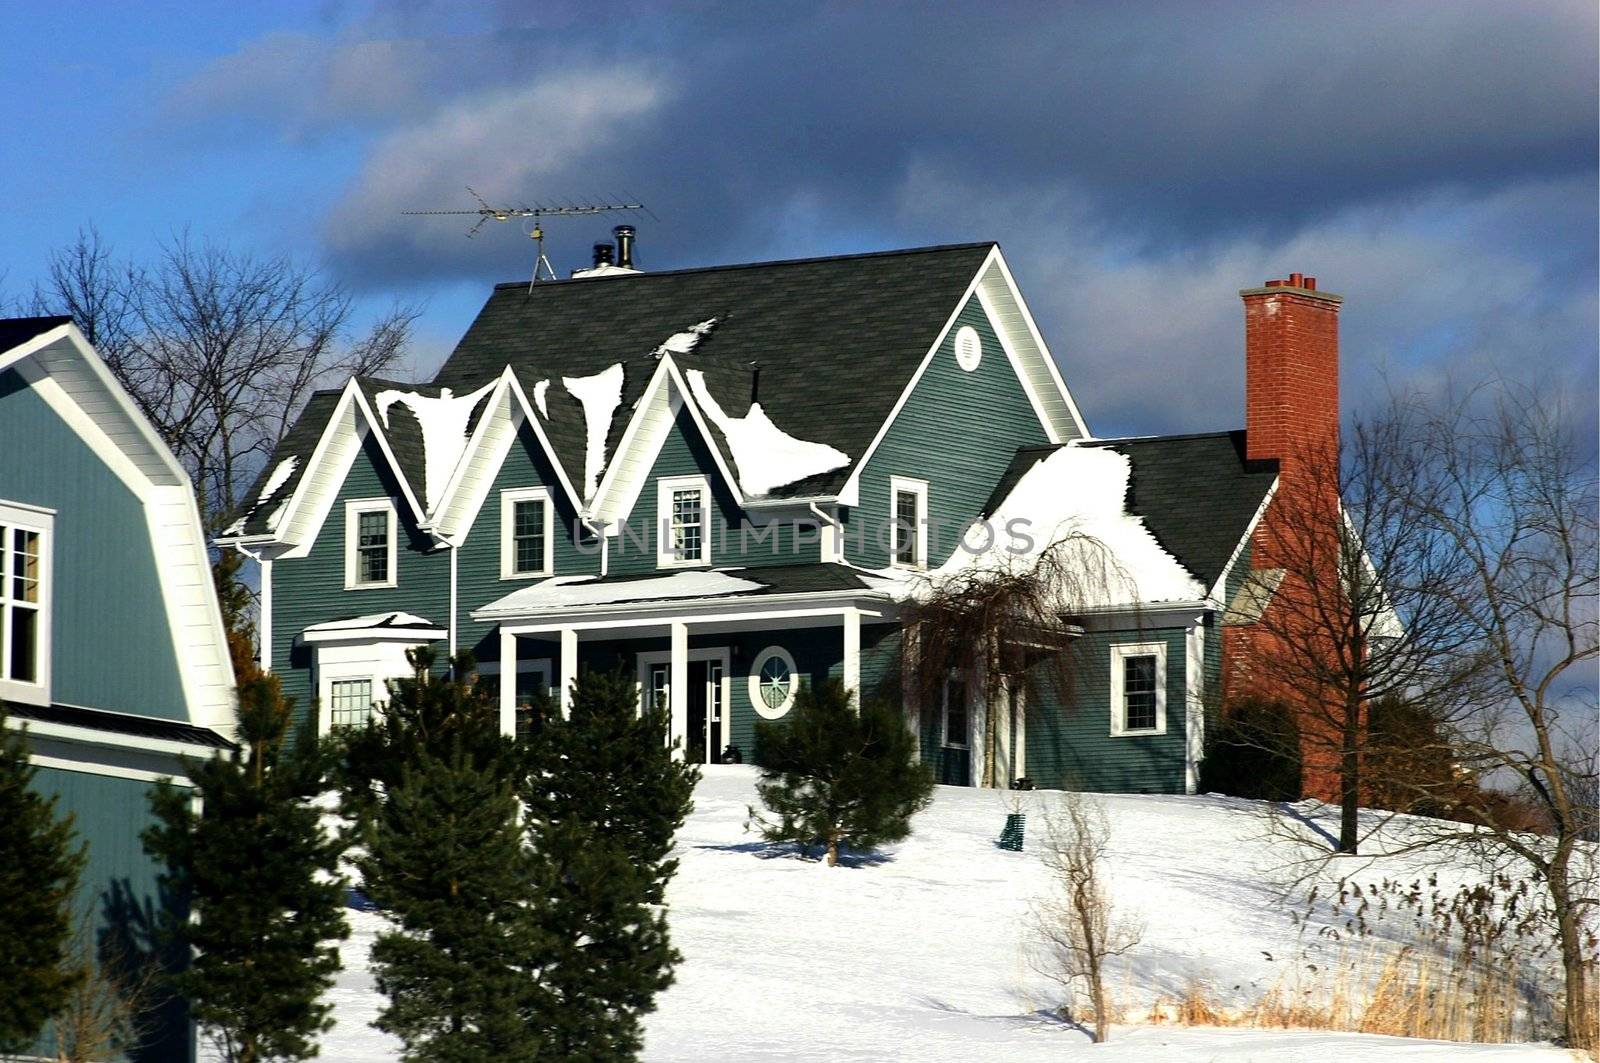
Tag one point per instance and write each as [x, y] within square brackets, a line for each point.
[112, 656]
[730, 482]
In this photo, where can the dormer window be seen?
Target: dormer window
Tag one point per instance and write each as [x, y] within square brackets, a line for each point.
[369, 533]
[25, 604]
[909, 522]
[526, 542]
[683, 506]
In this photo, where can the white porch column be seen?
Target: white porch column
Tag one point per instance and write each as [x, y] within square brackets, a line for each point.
[978, 722]
[1002, 766]
[1020, 712]
[678, 680]
[569, 668]
[508, 683]
[852, 654]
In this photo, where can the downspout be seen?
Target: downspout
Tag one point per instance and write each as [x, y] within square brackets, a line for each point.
[264, 628]
[451, 547]
[599, 529]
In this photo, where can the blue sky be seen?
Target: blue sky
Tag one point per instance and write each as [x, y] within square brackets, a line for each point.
[1434, 163]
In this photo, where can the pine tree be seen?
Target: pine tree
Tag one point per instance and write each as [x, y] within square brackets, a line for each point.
[603, 800]
[836, 777]
[259, 874]
[447, 862]
[39, 870]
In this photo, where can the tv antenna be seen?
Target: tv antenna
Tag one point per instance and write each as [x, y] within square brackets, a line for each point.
[536, 213]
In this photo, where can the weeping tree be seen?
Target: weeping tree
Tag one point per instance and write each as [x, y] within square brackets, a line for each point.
[1003, 622]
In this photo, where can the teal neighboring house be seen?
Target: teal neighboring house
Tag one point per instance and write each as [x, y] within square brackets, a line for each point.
[729, 482]
[112, 656]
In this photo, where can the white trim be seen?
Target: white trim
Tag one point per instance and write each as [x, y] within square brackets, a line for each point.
[666, 487]
[1121, 652]
[508, 547]
[899, 485]
[1045, 357]
[969, 348]
[414, 636]
[1194, 716]
[852, 654]
[721, 655]
[94, 736]
[826, 605]
[89, 767]
[753, 681]
[264, 632]
[29, 519]
[353, 509]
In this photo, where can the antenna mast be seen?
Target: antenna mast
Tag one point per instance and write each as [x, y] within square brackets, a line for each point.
[537, 213]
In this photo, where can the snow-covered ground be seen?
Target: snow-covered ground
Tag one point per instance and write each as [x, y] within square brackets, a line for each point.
[923, 955]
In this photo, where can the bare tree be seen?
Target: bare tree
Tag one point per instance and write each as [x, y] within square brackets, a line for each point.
[1078, 921]
[111, 1010]
[1348, 603]
[220, 348]
[1514, 493]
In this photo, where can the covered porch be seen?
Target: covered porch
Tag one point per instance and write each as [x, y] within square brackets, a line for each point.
[720, 649]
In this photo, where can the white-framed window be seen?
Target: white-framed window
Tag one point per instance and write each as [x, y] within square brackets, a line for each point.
[527, 542]
[369, 543]
[908, 516]
[25, 592]
[683, 521]
[1139, 688]
[774, 682]
[349, 702]
[954, 717]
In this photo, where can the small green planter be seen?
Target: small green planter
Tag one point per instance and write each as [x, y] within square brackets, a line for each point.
[1011, 837]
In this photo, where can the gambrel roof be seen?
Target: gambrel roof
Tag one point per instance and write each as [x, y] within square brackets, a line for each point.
[1197, 494]
[827, 348]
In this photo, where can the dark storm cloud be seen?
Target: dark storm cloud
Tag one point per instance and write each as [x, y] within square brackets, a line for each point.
[1435, 160]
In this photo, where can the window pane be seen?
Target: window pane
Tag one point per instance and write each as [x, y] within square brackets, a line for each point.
[687, 525]
[25, 565]
[25, 645]
[350, 701]
[1139, 692]
[905, 531]
[527, 533]
[372, 547]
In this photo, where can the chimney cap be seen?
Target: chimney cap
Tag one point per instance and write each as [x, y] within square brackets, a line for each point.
[1295, 284]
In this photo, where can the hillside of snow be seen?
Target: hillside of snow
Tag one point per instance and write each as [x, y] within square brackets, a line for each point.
[924, 954]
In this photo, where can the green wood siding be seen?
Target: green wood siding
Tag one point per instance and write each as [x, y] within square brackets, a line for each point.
[959, 432]
[310, 590]
[478, 560]
[111, 641]
[1069, 732]
[119, 891]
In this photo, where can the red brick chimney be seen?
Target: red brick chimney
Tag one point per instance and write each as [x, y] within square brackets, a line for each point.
[1291, 368]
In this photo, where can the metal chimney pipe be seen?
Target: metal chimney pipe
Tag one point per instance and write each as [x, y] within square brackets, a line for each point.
[602, 255]
[624, 235]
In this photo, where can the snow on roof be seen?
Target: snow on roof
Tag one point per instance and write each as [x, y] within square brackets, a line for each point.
[560, 591]
[539, 391]
[765, 456]
[600, 394]
[1076, 497]
[274, 484]
[390, 619]
[685, 341]
[443, 421]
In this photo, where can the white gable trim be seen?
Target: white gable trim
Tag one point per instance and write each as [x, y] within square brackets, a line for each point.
[64, 371]
[1042, 383]
[497, 430]
[641, 444]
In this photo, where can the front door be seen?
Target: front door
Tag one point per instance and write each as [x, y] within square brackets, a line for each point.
[703, 745]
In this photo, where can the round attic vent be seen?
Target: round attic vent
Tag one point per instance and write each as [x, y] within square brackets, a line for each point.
[969, 348]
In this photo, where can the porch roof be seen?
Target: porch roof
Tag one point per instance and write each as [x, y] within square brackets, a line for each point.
[681, 589]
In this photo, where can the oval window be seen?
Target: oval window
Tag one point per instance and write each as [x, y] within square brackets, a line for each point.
[774, 681]
[969, 348]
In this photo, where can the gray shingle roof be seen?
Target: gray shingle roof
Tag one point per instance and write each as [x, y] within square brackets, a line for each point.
[835, 339]
[300, 442]
[1196, 493]
[120, 723]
